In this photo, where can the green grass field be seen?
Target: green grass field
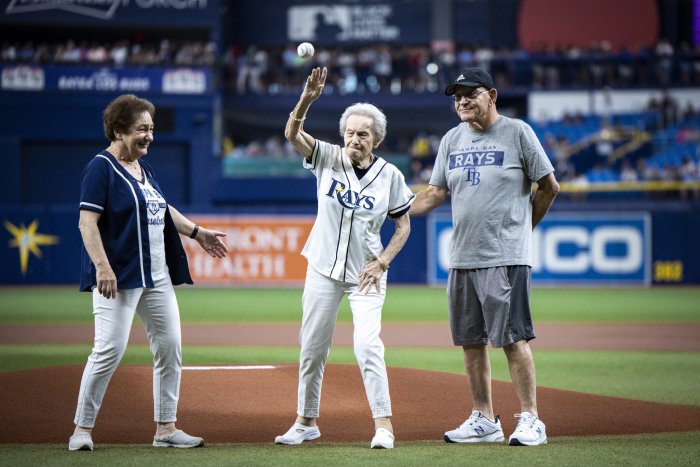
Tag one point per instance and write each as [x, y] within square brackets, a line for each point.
[403, 304]
[667, 449]
[669, 377]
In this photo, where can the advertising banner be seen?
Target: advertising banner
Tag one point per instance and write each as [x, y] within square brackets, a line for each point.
[43, 247]
[39, 246]
[569, 248]
[263, 250]
[111, 12]
[23, 77]
[340, 22]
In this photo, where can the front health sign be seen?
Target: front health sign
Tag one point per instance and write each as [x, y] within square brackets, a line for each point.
[263, 250]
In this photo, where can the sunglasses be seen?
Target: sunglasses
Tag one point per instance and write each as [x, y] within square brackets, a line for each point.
[456, 98]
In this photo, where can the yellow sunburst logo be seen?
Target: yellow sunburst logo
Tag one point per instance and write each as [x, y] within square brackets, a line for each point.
[27, 240]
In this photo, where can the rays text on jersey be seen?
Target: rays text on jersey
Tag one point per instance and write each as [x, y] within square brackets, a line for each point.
[348, 198]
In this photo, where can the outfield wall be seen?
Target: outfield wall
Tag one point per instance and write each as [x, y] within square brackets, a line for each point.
[571, 247]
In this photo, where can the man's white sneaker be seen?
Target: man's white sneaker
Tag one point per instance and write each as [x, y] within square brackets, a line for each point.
[383, 439]
[529, 432]
[477, 429]
[80, 442]
[298, 433]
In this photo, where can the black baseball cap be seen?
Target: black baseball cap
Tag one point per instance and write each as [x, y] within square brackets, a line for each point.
[472, 78]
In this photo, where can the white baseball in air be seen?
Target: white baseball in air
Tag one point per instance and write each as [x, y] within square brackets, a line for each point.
[305, 50]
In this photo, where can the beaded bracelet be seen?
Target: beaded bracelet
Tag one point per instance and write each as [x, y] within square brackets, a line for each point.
[296, 119]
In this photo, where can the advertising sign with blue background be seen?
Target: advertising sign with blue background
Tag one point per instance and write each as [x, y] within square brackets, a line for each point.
[148, 13]
[590, 248]
[180, 80]
[341, 22]
[41, 245]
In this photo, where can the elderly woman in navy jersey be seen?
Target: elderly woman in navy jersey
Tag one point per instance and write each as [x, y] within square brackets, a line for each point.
[131, 258]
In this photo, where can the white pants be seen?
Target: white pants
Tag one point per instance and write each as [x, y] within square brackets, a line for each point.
[321, 302]
[158, 311]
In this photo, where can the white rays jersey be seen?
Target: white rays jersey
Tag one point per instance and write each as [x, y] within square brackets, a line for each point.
[346, 233]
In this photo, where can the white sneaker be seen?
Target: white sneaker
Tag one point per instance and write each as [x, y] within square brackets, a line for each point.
[529, 432]
[179, 439]
[477, 429]
[298, 433]
[80, 442]
[383, 439]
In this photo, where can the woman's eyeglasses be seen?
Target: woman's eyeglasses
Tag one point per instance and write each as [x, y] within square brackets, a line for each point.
[456, 98]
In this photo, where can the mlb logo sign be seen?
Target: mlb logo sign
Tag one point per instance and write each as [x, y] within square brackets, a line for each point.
[330, 24]
[305, 22]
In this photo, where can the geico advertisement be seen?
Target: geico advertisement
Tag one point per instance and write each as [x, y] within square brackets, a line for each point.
[568, 248]
[263, 250]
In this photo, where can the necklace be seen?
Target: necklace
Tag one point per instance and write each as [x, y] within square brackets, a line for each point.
[132, 164]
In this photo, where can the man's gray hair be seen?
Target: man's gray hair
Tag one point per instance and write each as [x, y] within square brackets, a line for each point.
[366, 110]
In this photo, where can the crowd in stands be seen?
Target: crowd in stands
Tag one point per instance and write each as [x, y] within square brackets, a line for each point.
[392, 68]
[418, 68]
[274, 147]
[118, 54]
[659, 144]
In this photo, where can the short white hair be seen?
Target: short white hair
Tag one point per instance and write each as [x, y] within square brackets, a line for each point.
[366, 110]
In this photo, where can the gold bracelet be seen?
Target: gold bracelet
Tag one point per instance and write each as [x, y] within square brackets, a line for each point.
[383, 265]
[296, 119]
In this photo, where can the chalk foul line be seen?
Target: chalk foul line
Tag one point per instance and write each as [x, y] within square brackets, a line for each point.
[230, 368]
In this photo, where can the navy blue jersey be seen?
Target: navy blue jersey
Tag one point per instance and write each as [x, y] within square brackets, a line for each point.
[108, 189]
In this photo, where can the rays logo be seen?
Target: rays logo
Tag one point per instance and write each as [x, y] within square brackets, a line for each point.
[155, 206]
[349, 199]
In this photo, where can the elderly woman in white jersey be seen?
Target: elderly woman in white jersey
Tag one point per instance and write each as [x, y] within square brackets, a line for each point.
[357, 190]
[131, 258]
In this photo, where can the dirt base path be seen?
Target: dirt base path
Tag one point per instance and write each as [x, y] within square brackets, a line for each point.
[254, 405]
[627, 336]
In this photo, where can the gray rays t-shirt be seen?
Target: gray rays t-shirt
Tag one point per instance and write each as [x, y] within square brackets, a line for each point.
[490, 175]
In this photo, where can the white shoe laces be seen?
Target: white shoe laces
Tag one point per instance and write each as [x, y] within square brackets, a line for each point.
[471, 420]
[525, 420]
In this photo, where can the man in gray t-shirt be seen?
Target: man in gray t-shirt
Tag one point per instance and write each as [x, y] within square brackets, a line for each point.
[488, 164]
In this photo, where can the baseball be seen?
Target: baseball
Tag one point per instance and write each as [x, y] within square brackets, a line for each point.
[305, 50]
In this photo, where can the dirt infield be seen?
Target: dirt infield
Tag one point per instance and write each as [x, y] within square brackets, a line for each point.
[247, 405]
[253, 405]
[610, 336]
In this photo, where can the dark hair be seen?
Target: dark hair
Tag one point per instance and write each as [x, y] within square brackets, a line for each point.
[122, 112]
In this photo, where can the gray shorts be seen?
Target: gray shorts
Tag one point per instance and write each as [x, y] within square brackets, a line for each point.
[490, 304]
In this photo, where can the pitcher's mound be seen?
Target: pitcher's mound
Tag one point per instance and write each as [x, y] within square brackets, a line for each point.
[253, 405]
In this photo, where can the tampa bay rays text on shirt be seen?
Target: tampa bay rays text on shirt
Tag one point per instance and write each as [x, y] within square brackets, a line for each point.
[470, 159]
[155, 203]
[155, 206]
